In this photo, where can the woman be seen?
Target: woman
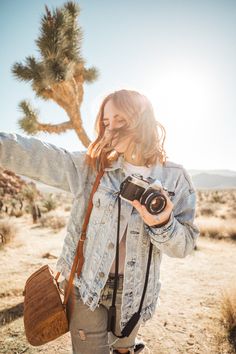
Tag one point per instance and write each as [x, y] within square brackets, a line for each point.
[129, 141]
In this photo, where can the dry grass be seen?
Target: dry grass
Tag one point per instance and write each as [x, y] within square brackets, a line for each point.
[17, 213]
[7, 232]
[228, 315]
[207, 210]
[55, 222]
[217, 196]
[217, 228]
[216, 213]
[49, 203]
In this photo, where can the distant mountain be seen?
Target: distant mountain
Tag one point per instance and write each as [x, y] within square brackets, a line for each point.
[214, 181]
[225, 173]
[202, 179]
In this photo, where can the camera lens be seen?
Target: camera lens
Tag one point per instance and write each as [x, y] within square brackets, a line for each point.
[156, 205]
[154, 201]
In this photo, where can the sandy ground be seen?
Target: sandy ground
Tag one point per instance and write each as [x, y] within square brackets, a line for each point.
[187, 320]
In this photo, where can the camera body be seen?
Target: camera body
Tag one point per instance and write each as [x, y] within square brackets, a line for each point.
[135, 187]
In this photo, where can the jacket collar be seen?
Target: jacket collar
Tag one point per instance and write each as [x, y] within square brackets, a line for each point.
[156, 170]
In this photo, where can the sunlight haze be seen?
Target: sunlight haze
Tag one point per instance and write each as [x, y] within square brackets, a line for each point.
[181, 54]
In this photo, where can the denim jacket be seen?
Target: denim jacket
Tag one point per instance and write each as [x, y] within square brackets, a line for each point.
[68, 171]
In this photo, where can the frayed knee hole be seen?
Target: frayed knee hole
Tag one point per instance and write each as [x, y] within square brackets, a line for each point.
[82, 334]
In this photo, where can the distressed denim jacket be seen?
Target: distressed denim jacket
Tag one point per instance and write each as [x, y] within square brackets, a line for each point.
[68, 171]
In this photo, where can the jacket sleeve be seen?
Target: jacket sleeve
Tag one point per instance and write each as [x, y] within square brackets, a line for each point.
[178, 237]
[41, 161]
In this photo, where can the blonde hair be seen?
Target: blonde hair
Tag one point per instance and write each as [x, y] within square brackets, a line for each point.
[147, 134]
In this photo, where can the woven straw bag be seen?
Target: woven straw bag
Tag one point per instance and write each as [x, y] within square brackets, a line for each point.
[44, 311]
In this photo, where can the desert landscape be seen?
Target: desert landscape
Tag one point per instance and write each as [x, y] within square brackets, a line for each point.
[149, 81]
[198, 296]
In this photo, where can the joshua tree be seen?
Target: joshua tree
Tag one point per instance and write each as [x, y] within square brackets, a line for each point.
[59, 73]
[31, 194]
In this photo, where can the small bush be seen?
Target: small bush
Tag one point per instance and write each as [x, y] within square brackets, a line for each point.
[7, 232]
[53, 221]
[30, 193]
[49, 203]
[206, 211]
[17, 213]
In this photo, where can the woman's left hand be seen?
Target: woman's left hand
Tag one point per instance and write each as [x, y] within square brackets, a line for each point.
[150, 219]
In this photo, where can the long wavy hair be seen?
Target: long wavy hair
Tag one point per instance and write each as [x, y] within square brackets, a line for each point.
[148, 135]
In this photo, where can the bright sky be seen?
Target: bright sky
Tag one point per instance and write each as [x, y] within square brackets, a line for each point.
[180, 53]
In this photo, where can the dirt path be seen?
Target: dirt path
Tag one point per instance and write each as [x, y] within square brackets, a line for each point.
[188, 316]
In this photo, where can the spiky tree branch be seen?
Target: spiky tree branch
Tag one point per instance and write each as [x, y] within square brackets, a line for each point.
[59, 74]
[30, 124]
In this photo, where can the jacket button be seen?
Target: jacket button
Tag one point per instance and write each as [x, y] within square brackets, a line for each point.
[97, 203]
[111, 245]
[101, 275]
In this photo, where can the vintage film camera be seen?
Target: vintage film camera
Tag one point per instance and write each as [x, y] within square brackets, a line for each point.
[135, 187]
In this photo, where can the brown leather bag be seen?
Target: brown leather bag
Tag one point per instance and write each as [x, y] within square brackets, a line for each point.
[44, 311]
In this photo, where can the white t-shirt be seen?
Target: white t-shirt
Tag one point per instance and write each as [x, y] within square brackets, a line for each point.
[129, 169]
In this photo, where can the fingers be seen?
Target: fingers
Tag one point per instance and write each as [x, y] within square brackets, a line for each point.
[150, 219]
[141, 209]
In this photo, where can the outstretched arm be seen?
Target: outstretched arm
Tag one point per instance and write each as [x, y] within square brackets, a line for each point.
[41, 161]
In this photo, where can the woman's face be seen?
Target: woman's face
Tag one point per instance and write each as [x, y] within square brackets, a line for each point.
[113, 120]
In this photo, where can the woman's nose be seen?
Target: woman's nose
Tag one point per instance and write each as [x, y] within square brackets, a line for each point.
[112, 124]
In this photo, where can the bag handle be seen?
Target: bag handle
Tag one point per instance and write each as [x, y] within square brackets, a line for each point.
[79, 255]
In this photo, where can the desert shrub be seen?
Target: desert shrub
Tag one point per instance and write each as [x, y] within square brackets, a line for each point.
[27, 209]
[206, 211]
[211, 231]
[222, 216]
[232, 214]
[17, 213]
[216, 203]
[30, 193]
[54, 222]
[217, 197]
[231, 210]
[7, 232]
[217, 228]
[231, 230]
[200, 194]
[49, 203]
[228, 314]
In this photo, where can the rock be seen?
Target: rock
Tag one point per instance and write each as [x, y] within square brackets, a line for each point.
[190, 342]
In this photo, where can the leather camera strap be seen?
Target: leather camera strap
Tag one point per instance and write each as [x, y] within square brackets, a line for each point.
[111, 324]
[79, 256]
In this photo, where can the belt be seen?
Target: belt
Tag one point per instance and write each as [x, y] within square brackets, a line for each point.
[111, 280]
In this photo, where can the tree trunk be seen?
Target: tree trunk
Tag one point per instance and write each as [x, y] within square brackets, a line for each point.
[69, 95]
[34, 213]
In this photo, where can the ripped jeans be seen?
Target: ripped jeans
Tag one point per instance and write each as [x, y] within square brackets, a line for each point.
[88, 328]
